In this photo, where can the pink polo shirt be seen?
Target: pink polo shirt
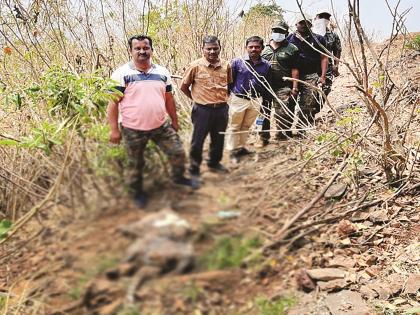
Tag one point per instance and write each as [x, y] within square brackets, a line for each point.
[143, 105]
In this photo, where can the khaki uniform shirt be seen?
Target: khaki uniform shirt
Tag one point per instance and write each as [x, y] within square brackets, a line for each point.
[209, 83]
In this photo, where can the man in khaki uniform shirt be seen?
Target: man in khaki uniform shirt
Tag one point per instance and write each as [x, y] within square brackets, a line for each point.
[208, 78]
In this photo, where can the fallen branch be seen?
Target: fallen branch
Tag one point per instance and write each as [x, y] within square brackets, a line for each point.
[280, 236]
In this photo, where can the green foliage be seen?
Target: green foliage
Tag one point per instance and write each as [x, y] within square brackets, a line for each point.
[104, 155]
[415, 310]
[9, 142]
[191, 292]
[75, 98]
[5, 226]
[76, 292]
[351, 117]
[414, 43]
[45, 136]
[229, 252]
[2, 302]
[271, 10]
[326, 137]
[277, 307]
[308, 155]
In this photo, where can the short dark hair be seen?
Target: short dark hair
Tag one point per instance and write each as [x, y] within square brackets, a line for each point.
[255, 39]
[139, 37]
[210, 39]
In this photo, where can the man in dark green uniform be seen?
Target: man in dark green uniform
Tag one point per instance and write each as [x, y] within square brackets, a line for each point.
[333, 44]
[283, 59]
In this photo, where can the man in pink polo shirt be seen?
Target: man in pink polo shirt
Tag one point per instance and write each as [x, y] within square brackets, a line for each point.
[142, 114]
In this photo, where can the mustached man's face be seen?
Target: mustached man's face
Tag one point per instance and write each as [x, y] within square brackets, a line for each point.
[211, 52]
[141, 50]
[254, 49]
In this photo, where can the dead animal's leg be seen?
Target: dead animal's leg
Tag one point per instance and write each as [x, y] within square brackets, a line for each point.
[143, 274]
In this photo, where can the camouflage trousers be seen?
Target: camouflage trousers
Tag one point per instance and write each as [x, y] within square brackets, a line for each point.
[309, 100]
[328, 81]
[136, 141]
[283, 106]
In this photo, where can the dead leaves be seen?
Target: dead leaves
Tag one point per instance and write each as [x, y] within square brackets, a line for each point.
[345, 228]
[7, 50]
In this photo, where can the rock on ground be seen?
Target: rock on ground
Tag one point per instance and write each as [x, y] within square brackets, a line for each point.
[347, 303]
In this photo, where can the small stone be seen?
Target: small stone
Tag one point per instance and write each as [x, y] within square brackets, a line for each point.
[379, 216]
[416, 218]
[368, 292]
[413, 284]
[346, 303]
[360, 216]
[303, 281]
[336, 191]
[384, 290]
[340, 261]
[373, 271]
[371, 260]
[333, 285]
[326, 274]
[345, 228]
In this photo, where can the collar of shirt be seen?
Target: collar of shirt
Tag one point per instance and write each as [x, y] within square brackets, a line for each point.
[206, 63]
[248, 59]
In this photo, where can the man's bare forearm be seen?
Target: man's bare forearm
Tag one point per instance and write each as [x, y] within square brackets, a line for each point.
[170, 107]
[324, 65]
[112, 114]
[186, 90]
[295, 75]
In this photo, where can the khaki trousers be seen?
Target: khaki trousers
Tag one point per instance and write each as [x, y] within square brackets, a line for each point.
[242, 115]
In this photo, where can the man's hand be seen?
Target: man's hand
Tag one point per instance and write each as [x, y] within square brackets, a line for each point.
[321, 81]
[175, 125]
[115, 136]
[335, 71]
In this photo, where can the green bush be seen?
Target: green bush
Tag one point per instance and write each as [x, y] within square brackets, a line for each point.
[277, 307]
[414, 43]
[229, 252]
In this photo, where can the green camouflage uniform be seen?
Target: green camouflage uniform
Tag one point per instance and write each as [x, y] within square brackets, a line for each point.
[165, 138]
[309, 100]
[282, 60]
[334, 46]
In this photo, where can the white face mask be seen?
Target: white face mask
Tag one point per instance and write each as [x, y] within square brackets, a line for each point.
[278, 37]
[320, 26]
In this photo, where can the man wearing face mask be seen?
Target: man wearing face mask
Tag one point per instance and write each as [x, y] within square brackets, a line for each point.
[322, 26]
[283, 59]
[312, 68]
[208, 78]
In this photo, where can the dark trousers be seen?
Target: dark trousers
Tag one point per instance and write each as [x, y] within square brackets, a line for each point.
[265, 111]
[207, 120]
